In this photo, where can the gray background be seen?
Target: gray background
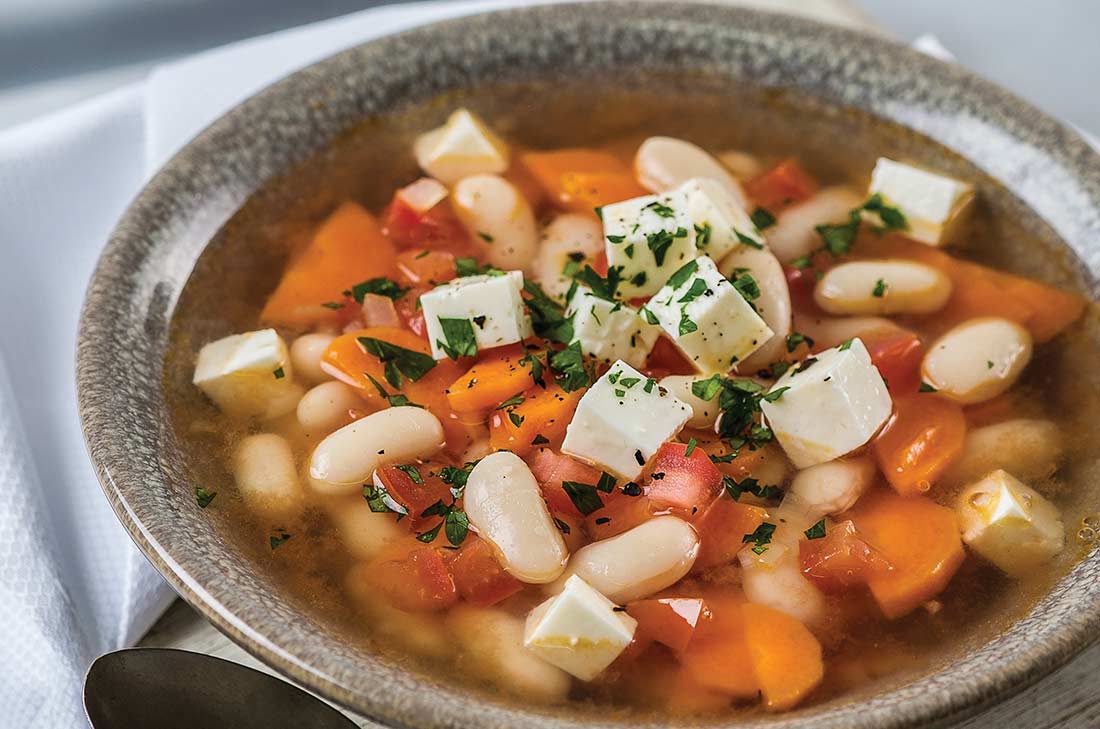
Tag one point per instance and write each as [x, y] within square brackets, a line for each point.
[55, 52]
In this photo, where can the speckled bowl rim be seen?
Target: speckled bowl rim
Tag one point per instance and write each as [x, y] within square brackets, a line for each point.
[124, 323]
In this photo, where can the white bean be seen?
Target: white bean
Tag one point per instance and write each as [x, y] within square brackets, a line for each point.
[364, 533]
[1029, 449]
[830, 331]
[773, 305]
[499, 219]
[566, 234]
[305, 356]
[977, 360]
[775, 579]
[640, 561]
[492, 640]
[663, 163]
[832, 487]
[329, 406]
[267, 480]
[703, 412]
[793, 234]
[505, 505]
[347, 458]
[743, 165]
[882, 287]
[420, 633]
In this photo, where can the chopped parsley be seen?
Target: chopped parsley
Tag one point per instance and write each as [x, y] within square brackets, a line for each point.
[461, 340]
[516, 418]
[468, 266]
[511, 402]
[746, 240]
[485, 236]
[760, 538]
[687, 326]
[839, 237]
[616, 238]
[279, 373]
[796, 338]
[454, 523]
[880, 289]
[537, 368]
[570, 370]
[278, 539]
[682, 274]
[702, 235]
[334, 305]
[925, 387]
[584, 496]
[398, 361]
[762, 218]
[690, 447]
[380, 286]
[697, 289]
[540, 439]
[547, 316]
[410, 471]
[739, 400]
[891, 217]
[397, 400]
[746, 285]
[751, 486]
[203, 496]
[602, 286]
[659, 243]
[562, 526]
[817, 531]
[661, 209]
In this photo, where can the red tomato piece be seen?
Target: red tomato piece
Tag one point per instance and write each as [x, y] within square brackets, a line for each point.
[897, 353]
[665, 359]
[402, 486]
[415, 581]
[841, 559]
[683, 482]
[411, 314]
[551, 468]
[722, 528]
[668, 620]
[620, 514]
[924, 437]
[478, 576]
[785, 184]
[438, 229]
[425, 268]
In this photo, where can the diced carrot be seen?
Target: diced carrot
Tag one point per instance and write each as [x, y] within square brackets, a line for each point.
[923, 437]
[718, 655]
[918, 537]
[680, 482]
[346, 360]
[544, 412]
[668, 620]
[722, 528]
[424, 268]
[348, 248]
[582, 179]
[478, 576]
[1052, 309]
[520, 176]
[620, 514]
[497, 376]
[785, 184]
[785, 655]
[416, 580]
[551, 468]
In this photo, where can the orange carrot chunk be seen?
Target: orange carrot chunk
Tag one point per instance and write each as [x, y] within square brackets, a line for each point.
[348, 248]
[718, 655]
[582, 179]
[491, 381]
[785, 655]
[540, 418]
[668, 620]
[918, 537]
[785, 184]
[924, 437]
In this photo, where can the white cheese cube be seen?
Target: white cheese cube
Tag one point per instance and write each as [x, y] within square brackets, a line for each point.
[579, 630]
[622, 420]
[707, 318]
[462, 147]
[491, 303]
[1009, 523]
[835, 401]
[648, 238]
[248, 375]
[721, 224]
[610, 330]
[930, 202]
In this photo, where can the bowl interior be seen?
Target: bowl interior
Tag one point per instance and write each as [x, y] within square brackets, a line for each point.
[195, 257]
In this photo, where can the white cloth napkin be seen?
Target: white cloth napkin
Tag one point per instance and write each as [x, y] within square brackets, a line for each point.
[72, 585]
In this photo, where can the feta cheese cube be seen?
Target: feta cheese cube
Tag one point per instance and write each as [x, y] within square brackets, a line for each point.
[579, 630]
[1009, 523]
[610, 330]
[463, 146]
[721, 224]
[491, 303]
[931, 203]
[248, 375]
[833, 403]
[648, 238]
[707, 318]
[622, 420]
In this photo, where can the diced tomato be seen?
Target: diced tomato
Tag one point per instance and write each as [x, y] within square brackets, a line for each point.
[897, 353]
[665, 359]
[668, 620]
[841, 559]
[599, 263]
[722, 528]
[403, 487]
[417, 580]
[544, 412]
[923, 437]
[621, 513]
[424, 268]
[785, 184]
[411, 314]
[683, 482]
[551, 468]
[478, 576]
[439, 229]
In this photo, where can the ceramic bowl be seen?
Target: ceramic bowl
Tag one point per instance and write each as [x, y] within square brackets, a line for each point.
[1032, 169]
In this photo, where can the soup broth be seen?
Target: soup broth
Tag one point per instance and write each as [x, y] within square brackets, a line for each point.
[441, 590]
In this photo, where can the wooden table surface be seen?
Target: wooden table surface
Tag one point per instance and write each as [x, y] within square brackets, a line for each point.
[1067, 699]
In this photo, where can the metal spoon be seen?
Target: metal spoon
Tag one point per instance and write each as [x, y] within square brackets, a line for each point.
[139, 688]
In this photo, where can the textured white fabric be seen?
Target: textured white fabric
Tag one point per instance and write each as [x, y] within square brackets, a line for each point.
[72, 585]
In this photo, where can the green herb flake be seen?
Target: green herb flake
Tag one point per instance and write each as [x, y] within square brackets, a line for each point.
[690, 447]
[839, 237]
[334, 305]
[380, 286]
[746, 286]
[460, 338]
[774, 395]
[796, 338]
[925, 387]
[762, 218]
[760, 537]
[606, 483]
[569, 366]
[411, 471]
[697, 289]
[485, 236]
[279, 373]
[880, 289]
[687, 326]
[845, 346]
[584, 496]
[682, 274]
[278, 539]
[748, 240]
[817, 531]
[702, 235]
[397, 361]
[616, 238]
[511, 402]
[540, 439]
[203, 496]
